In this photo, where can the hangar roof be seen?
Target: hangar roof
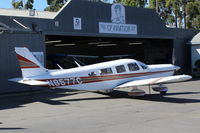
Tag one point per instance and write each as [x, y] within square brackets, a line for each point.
[93, 19]
[25, 13]
[196, 39]
[94, 16]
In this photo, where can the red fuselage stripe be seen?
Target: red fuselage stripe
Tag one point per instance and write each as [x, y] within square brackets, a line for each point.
[108, 77]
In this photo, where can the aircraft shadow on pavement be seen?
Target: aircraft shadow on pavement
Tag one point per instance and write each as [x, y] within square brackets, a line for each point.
[12, 129]
[166, 98]
[152, 97]
[45, 96]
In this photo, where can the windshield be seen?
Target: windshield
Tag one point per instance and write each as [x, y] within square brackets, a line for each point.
[144, 66]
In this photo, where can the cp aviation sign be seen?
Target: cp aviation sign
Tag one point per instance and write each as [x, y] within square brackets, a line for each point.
[118, 25]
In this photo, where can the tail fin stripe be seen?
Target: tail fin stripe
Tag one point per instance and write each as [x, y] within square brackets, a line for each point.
[29, 65]
[25, 63]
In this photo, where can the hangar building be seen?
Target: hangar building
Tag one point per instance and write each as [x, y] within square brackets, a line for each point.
[94, 29]
[195, 55]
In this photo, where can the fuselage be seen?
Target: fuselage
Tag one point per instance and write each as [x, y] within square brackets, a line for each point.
[107, 75]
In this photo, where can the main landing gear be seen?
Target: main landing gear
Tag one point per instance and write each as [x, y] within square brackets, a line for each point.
[160, 88]
[135, 92]
[107, 91]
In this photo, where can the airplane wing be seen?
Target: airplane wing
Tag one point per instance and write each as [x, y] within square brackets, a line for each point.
[151, 81]
[29, 82]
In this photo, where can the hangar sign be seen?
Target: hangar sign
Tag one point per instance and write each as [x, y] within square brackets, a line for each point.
[118, 25]
[117, 28]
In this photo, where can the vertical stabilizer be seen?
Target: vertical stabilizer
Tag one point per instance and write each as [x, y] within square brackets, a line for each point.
[29, 65]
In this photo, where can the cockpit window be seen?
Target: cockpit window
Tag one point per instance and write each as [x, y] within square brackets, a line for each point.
[106, 71]
[143, 65]
[133, 67]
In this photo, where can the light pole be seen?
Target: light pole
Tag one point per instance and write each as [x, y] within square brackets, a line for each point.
[184, 12]
[157, 6]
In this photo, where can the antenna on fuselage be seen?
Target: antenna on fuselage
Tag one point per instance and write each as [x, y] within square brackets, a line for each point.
[77, 64]
[59, 66]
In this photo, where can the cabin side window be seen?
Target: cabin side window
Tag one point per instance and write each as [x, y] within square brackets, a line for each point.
[92, 74]
[120, 69]
[133, 67]
[106, 71]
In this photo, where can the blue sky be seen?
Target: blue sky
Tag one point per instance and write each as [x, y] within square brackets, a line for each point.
[38, 4]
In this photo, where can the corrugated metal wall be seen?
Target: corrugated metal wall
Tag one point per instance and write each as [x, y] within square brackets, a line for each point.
[9, 67]
[181, 53]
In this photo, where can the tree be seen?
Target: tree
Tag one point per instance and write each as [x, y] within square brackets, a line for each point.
[29, 4]
[178, 12]
[136, 3]
[171, 11]
[162, 10]
[18, 4]
[174, 6]
[193, 14]
[196, 22]
[55, 5]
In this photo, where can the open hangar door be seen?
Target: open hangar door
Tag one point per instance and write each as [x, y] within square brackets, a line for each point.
[67, 51]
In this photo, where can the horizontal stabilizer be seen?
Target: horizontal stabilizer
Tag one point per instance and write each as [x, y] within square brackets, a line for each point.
[29, 82]
[161, 80]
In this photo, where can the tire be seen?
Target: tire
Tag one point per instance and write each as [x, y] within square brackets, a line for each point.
[163, 92]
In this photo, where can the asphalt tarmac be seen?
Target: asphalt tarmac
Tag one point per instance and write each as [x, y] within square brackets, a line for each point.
[60, 111]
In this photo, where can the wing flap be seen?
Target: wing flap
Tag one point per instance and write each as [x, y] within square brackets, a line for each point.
[29, 82]
[151, 81]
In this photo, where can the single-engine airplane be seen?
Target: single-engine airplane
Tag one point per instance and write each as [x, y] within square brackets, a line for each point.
[104, 76]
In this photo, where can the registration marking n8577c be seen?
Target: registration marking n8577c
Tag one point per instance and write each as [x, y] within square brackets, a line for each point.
[64, 81]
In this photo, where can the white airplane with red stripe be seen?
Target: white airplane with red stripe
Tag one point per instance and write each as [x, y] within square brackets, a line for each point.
[104, 76]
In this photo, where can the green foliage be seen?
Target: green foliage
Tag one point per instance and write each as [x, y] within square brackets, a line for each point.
[161, 4]
[18, 4]
[174, 7]
[55, 5]
[178, 12]
[163, 11]
[137, 3]
[193, 14]
[196, 22]
[29, 4]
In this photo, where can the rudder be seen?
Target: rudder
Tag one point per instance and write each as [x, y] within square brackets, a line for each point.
[29, 65]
